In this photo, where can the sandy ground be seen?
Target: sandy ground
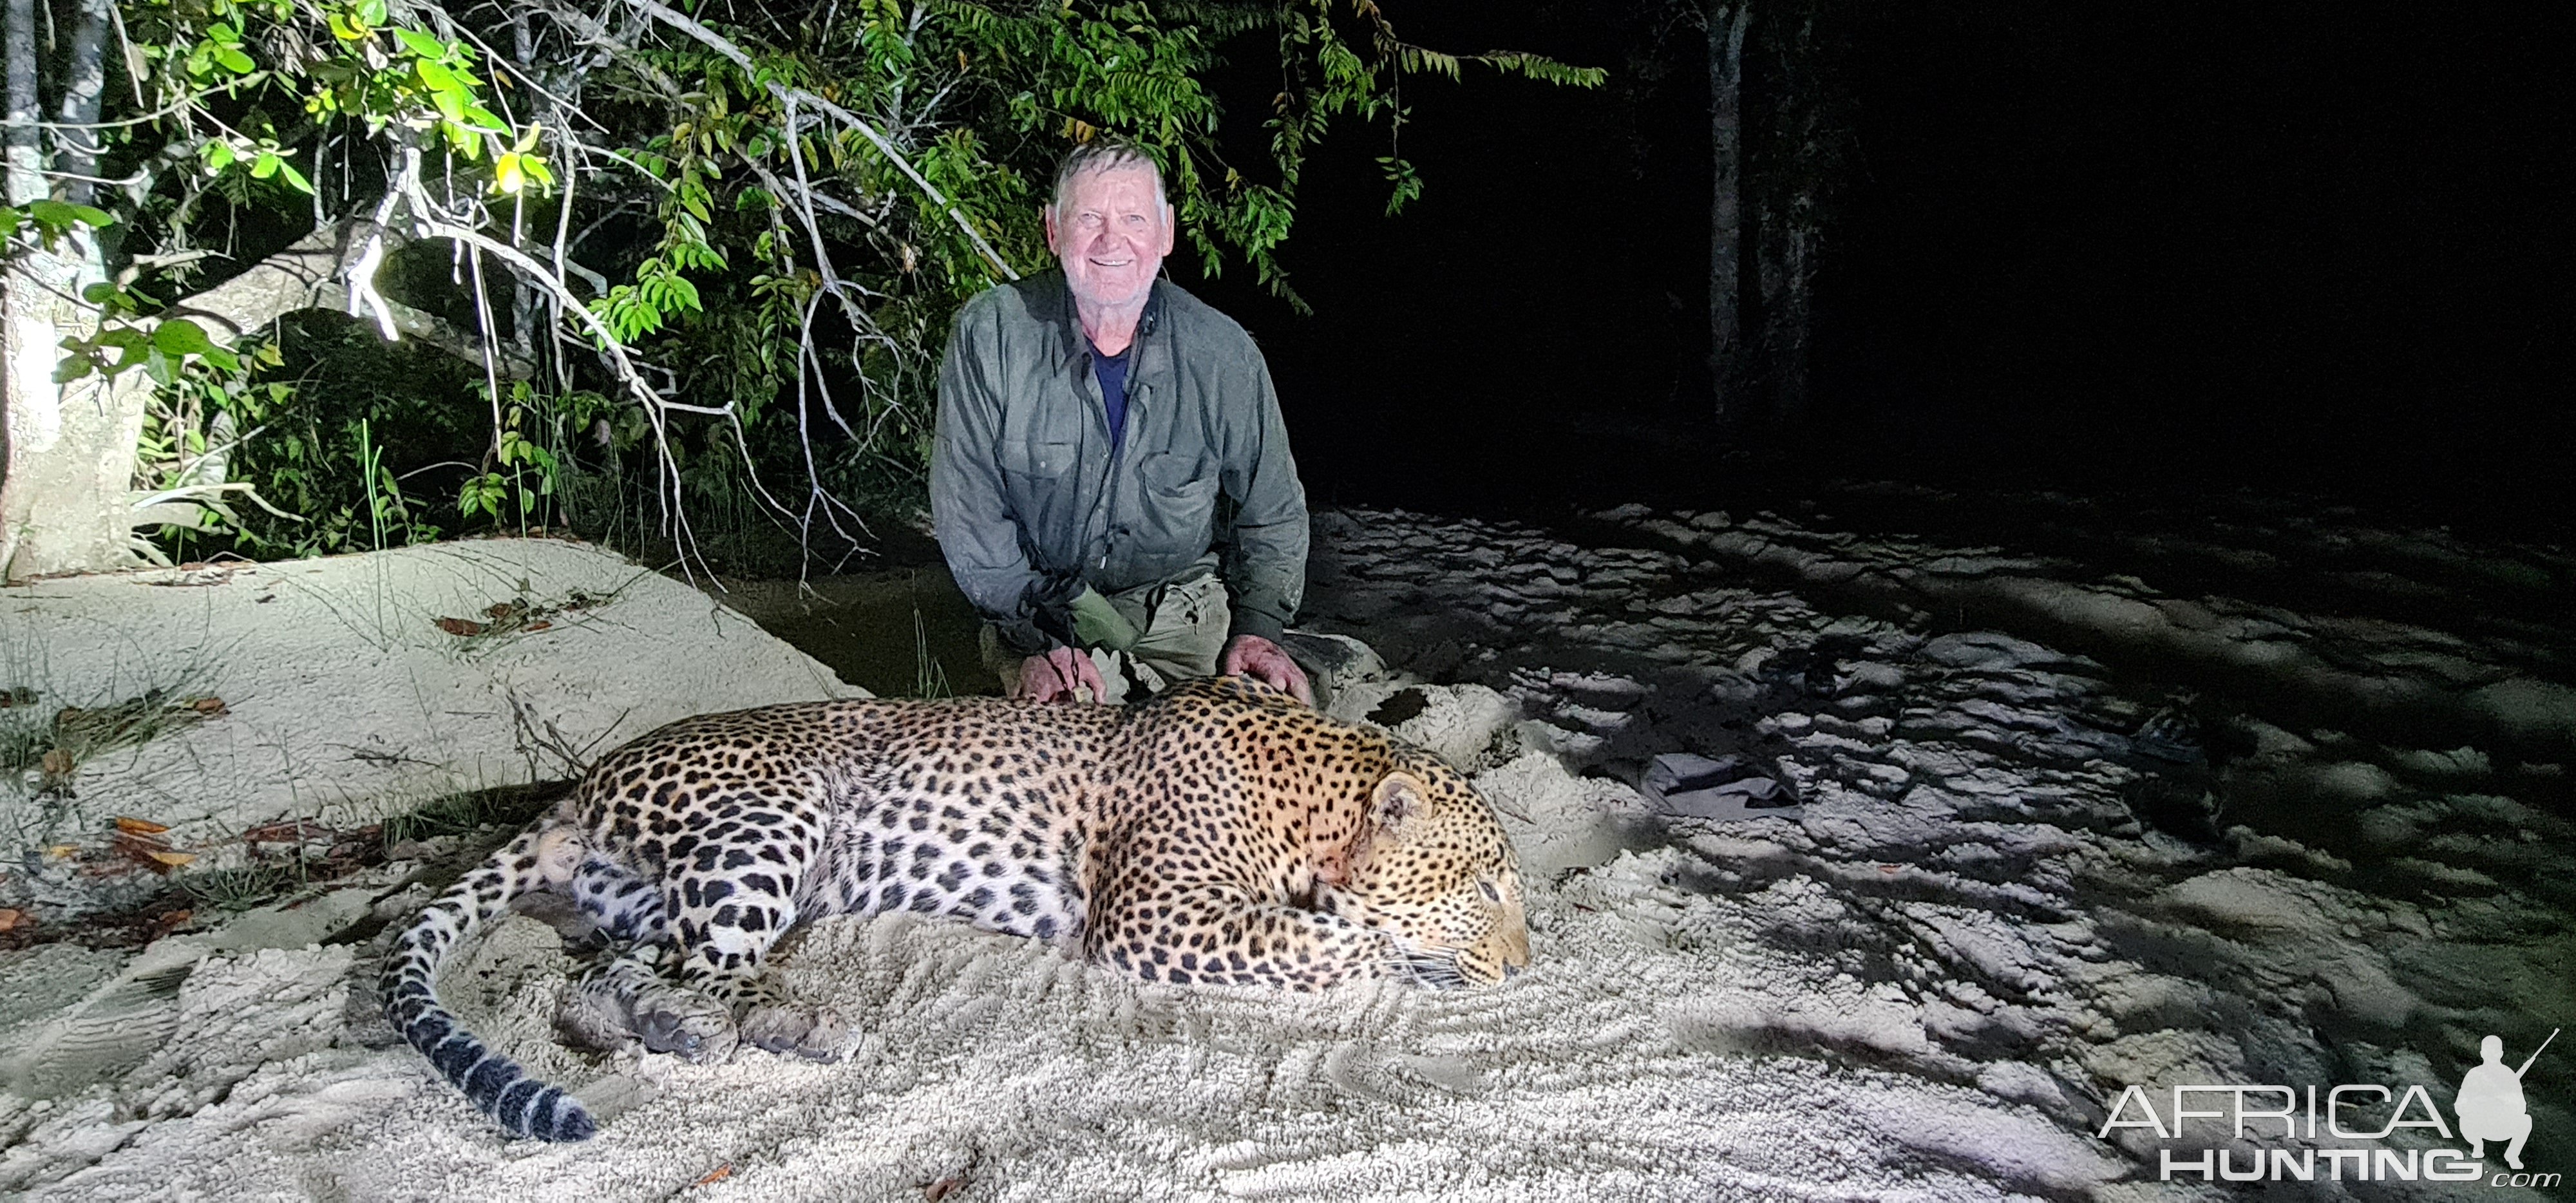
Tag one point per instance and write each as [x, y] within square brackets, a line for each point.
[2022, 878]
[343, 700]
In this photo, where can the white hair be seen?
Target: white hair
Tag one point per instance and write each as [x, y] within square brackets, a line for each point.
[1107, 154]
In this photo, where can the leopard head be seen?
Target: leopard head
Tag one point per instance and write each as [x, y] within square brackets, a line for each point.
[1432, 868]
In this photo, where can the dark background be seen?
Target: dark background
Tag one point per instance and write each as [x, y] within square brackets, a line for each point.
[2314, 249]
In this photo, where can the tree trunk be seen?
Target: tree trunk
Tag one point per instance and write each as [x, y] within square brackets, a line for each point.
[25, 154]
[70, 452]
[1791, 217]
[67, 451]
[65, 505]
[1788, 306]
[1726, 27]
[84, 83]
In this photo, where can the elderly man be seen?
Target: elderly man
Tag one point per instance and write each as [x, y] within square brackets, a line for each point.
[1111, 482]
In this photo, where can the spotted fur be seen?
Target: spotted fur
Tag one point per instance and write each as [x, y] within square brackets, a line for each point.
[1220, 834]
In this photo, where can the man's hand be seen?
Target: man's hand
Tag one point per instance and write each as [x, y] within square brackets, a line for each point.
[1053, 676]
[1260, 659]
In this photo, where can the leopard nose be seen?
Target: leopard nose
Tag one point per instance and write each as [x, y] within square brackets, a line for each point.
[1511, 971]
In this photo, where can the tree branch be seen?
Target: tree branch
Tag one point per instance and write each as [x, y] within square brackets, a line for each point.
[310, 274]
[788, 95]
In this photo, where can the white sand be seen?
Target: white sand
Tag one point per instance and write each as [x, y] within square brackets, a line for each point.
[1615, 1070]
[1930, 986]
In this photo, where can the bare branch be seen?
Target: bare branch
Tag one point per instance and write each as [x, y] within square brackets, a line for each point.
[429, 221]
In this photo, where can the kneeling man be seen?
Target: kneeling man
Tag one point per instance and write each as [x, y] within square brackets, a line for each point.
[1110, 480]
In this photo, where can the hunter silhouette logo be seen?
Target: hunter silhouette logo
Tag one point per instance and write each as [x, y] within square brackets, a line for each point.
[2490, 1105]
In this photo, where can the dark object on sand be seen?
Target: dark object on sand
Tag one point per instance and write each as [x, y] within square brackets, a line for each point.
[1687, 786]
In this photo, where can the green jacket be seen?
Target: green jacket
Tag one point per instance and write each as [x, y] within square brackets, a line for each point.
[1029, 506]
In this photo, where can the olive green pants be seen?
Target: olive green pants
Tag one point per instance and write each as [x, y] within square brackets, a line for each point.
[1181, 628]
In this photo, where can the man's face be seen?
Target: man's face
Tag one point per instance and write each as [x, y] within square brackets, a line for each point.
[1111, 236]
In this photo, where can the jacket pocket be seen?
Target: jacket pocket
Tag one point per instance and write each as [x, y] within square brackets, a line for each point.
[1043, 461]
[1185, 513]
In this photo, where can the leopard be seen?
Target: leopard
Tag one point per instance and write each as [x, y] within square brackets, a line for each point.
[1220, 834]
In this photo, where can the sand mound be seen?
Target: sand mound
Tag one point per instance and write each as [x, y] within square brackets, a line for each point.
[343, 700]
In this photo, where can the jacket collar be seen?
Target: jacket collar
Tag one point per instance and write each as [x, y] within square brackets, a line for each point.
[1071, 346]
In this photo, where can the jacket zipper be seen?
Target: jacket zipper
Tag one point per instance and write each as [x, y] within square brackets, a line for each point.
[1121, 450]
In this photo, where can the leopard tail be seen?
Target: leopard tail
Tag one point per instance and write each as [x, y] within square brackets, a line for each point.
[522, 1105]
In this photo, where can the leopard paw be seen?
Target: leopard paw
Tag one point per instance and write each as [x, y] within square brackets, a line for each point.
[672, 1019]
[813, 1035]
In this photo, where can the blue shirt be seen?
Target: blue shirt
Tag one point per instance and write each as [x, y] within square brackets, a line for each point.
[1111, 371]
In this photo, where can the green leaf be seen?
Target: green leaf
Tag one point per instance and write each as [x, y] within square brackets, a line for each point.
[294, 179]
[372, 12]
[422, 44]
[181, 336]
[219, 155]
[265, 165]
[222, 360]
[235, 61]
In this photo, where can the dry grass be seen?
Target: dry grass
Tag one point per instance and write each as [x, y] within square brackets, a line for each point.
[44, 754]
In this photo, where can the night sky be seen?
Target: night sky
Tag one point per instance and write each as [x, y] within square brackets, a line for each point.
[2318, 249]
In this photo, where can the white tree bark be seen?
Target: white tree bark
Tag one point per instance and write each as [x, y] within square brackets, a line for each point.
[70, 450]
[63, 503]
[71, 447]
[18, 61]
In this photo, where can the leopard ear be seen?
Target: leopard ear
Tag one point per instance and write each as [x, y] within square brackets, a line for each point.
[1398, 801]
[1395, 807]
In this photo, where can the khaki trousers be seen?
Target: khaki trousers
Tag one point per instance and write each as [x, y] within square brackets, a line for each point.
[1181, 629]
